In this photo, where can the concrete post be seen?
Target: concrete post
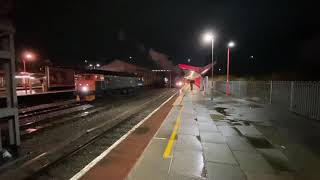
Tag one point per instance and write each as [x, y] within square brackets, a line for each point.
[271, 89]
[30, 86]
[291, 95]
[240, 89]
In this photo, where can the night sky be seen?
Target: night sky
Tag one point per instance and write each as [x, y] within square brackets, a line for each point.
[283, 36]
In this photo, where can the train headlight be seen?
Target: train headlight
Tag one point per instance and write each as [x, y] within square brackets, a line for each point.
[84, 89]
[179, 83]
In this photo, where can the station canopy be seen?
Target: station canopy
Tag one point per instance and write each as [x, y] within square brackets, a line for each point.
[194, 73]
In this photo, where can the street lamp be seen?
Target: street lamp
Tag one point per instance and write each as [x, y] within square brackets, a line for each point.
[231, 44]
[208, 37]
[26, 56]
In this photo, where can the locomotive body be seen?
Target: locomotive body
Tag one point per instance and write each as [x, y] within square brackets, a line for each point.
[89, 85]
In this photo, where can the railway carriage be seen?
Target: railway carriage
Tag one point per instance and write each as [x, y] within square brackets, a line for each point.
[92, 83]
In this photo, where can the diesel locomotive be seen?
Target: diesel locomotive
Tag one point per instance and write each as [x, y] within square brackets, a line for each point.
[94, 83]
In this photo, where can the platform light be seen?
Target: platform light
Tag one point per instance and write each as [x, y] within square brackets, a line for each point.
[21, 76]
[29, 56]
[231, 44]
[179, 83]
[84, 89]
[98, 65]
[208, 37]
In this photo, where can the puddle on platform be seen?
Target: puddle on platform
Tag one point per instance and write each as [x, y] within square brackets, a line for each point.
[222, 123]
[199, 138]
[228, 102]
[259, 142]
[244, 122]
[141, 130]
[237, 130]
[221, 110]
[253, 106]
[236, 124]
[217, 117]
[247, 123]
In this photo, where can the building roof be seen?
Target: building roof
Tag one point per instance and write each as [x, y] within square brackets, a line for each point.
[121, 66]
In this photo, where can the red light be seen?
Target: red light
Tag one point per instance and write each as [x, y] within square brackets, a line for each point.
[179, 83]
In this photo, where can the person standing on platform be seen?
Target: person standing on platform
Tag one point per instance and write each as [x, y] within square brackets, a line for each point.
[191, 84]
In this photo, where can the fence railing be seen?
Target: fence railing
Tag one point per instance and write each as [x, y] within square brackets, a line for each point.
[298, 96]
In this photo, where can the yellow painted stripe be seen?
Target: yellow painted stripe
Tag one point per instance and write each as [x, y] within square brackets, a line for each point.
[167, 151]
[178, 101]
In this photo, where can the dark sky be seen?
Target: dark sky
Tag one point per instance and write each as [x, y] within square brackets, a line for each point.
[281, 35]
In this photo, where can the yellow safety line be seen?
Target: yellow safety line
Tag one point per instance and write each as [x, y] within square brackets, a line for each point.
[167, 151]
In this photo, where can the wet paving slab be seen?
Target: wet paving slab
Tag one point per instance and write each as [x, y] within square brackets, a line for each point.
[187, 163]
[219, 171]
[249, 131]
[237, 143]
[259, 142]
[203, 118]
[207, 127]
[189, 130]
[190, 122]
[228, 131]
[252, 162]
[223, 123]
[187, 142]
[218, 153]
[276, 159]
[211, 137]
[151, 165]
[217, 117]
[221, 110]
[239, 123]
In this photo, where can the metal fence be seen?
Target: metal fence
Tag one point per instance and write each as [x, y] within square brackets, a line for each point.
[298, 96]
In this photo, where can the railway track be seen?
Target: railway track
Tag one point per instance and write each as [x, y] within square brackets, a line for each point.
[34, 119]
[37, 120]
[103, 129]
[46, 108]
[39, 165]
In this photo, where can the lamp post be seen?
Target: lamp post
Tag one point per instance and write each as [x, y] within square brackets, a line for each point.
[26, 56]
[230, 45]
[208, 37]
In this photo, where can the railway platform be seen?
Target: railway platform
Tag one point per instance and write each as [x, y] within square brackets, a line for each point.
[196, 140]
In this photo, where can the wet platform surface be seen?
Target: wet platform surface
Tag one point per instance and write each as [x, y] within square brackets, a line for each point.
[223, 138]
[210, 144]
